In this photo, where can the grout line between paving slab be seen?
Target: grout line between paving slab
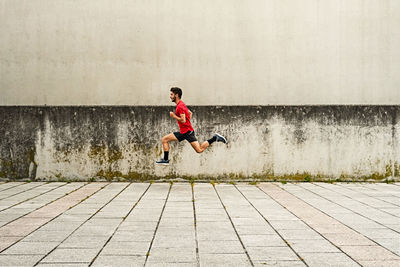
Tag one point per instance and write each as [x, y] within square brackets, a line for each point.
[24, 191]
[306, 222]
[395, 253]
[116, 229]
[234, 228]
[85, 220]
[337, 219]
[347, 208]
[360, 192]
[39, 207]
[363, 202]
[276, 231]
[389, 194]
[385, 184]
[158, 223]
[11, 186]
[53, 217]
[195, 227]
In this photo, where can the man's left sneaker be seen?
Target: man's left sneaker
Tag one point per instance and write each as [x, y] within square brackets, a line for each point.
[163, 162]
[220, 138]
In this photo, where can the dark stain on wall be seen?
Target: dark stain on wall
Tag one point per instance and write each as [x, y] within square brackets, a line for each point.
[18, 129]
[73, 126]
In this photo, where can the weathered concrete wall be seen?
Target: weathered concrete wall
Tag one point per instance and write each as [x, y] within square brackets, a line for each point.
[78, 56]
[221, 52]
[264, 141]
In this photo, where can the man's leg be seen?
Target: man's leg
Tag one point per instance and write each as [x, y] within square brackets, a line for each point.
[165, 140]
[200, 148]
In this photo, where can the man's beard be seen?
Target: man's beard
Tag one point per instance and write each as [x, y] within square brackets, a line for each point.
[173, 99]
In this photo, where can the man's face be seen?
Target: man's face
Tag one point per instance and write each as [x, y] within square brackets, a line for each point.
[172, 96]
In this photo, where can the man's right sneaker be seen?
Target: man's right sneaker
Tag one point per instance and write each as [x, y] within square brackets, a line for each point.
[220, 138]
[163, 162]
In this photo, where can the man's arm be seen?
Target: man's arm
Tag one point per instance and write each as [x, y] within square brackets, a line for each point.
[181, 119]
[190, 115]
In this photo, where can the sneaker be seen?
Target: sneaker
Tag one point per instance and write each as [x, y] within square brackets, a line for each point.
[220, 138]
[163, 162]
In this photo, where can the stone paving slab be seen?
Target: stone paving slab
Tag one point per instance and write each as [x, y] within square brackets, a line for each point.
[4, 186]
[14, 191]
[20, 230]
[163, 224]
[27, 205]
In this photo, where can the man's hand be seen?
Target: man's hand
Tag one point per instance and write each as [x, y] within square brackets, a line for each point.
[181, 119]
[190, 115]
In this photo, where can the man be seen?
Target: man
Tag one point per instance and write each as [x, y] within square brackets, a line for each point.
[186, 132]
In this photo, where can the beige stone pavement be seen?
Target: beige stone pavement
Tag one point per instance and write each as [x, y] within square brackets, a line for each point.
[201, 224]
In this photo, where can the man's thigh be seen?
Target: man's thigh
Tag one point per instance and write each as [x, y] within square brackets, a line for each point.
[170, 137]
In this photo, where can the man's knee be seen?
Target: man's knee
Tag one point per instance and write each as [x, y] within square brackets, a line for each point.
[199, 150]
[164, 139]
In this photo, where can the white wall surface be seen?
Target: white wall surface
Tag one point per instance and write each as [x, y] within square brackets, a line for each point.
[221, 52]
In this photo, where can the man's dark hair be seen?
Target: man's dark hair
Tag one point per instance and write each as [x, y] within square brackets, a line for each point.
[177, 90]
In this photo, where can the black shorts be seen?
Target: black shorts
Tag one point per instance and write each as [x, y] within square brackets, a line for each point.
[189, 136]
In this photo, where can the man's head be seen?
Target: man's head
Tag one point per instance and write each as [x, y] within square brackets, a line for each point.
[176, 94]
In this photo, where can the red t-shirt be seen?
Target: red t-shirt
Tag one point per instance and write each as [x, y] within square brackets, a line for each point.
[181, 108]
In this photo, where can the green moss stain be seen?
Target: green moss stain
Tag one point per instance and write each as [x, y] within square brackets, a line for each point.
[31, 155]
[388, 169]
[376, 176]
[8, 169]
[397, 169]
[114, 155]
[108, 174]
[307, 178]
[3, 174]
[104, 154]
[108, 159]
[133, 176]
[97, 151]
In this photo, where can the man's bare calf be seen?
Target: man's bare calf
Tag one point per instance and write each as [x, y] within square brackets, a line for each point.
[200, 148]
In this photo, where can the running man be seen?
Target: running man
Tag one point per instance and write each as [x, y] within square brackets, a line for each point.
[183, 115]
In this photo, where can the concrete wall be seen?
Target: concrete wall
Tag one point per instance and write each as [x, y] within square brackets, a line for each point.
[221, 52]
[104, 69]
[269, 142]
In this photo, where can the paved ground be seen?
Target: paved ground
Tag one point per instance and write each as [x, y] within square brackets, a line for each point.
[141, 224]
